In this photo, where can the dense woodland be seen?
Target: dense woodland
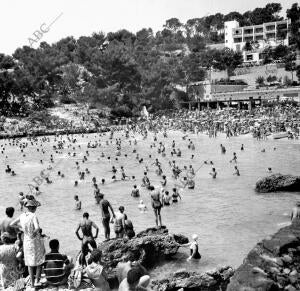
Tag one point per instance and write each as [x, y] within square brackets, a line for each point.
[124, 71]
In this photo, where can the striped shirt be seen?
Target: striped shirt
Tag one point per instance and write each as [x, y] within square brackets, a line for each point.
[54, 267]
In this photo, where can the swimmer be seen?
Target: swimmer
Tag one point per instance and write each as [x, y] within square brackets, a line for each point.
[223, 149]
[164, 181]
[236, 171]
[77, 203]
[145, 181]
[37, 191]
[166, 199]
[175, 195]
[142, 207]
[234, 159]
[213, 173]
[21, 200]
[194, 248]
[135, 192]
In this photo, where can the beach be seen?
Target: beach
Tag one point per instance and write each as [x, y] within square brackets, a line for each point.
[226, 213]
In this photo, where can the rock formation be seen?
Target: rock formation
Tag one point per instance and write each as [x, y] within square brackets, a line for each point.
[278, 182]
[148, 248]
[273, 264]
[210, 281]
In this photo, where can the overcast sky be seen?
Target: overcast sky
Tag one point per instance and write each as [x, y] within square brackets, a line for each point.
[21, 18]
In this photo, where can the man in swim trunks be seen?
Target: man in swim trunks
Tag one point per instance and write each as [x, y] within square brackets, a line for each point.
[156, 204]
[105, 206]
[87, 238]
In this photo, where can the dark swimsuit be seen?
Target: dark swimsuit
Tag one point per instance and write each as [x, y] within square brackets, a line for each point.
[197, 254]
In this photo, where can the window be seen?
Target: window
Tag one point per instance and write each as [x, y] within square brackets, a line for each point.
[249, 57]
[237, 39]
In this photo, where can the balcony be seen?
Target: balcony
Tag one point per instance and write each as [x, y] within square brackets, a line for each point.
[248, 38]
[270, 28]
[248, 31]
[259, 30]
[237, 39]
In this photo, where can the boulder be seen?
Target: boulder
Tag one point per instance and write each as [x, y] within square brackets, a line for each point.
[278, 182]
[148, 247]
[273, 264]
[209, 281]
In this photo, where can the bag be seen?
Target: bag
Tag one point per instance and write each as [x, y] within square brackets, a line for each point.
[75, 277]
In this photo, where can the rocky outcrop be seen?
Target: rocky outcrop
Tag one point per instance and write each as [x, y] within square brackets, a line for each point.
[215, 280]
[278, 182]
[273, 264]
[148, 248]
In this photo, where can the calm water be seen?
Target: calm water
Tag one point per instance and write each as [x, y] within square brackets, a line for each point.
[226, 213]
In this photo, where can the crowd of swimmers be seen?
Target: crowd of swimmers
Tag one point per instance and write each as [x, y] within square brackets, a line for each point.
[175, 178]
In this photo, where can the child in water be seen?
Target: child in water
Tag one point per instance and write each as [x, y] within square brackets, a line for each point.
[142, 207]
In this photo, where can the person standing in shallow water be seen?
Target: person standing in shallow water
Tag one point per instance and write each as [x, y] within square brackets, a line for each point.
[194, 248]
[104, 207]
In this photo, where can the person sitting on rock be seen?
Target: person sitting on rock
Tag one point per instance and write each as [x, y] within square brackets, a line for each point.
[95, 271]
[57, 267]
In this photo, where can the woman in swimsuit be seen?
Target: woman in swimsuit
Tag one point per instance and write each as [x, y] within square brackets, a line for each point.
[194, 248]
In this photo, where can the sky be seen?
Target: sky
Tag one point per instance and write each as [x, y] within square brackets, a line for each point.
[20, 19]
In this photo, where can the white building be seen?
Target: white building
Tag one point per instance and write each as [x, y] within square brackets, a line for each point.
[257, 37]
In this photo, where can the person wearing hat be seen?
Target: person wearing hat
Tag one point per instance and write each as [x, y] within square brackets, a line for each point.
[194, 248]
[296, 212]
[33, 244]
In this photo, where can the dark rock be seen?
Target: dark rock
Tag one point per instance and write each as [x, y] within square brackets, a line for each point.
[149, 247]
[181, 239]
[268, 266]
[209, 281]
[278, 182]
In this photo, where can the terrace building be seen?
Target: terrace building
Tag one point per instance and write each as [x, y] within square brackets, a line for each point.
[252, 40]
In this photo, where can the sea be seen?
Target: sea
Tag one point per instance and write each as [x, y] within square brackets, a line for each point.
[226, 213]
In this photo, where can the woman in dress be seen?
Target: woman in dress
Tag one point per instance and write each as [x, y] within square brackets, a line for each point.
[33, 244]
